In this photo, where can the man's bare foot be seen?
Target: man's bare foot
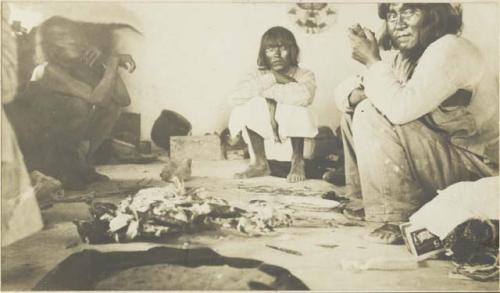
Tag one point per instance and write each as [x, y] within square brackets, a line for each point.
[386, 234]
[297, 172]
[254, 171]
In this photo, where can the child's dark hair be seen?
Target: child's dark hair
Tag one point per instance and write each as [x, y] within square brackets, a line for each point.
[278, 36]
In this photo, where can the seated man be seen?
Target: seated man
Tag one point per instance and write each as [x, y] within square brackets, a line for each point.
[274, 103]
[71, 104]
[422, 121]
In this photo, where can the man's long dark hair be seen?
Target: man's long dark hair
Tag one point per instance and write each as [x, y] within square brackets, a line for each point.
[439, 19]
[49, 37]
[278, 36]
[99, 35]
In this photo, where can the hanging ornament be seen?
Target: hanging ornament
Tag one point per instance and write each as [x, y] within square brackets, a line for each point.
[313, 18]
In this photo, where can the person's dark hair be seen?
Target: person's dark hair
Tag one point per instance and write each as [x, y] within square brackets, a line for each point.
[439, 19]
[99, 35]
[278, 36]
[50, 37]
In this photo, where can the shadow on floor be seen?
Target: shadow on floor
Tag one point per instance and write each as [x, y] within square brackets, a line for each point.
[82, 270]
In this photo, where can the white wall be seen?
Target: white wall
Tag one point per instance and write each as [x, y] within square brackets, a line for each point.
[191, 54]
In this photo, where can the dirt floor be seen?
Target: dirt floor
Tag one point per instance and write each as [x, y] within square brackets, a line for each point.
[324, 240]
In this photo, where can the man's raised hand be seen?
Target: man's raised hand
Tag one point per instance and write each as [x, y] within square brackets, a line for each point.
[90, 56]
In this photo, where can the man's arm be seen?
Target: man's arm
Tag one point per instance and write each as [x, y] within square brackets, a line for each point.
[346, 94]
[357, 96]
[252, 86]
[109, 88]
[57, 79]
[444, 68]
[299, 91]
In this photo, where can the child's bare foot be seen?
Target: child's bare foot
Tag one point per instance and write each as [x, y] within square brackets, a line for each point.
[254, 171]
[297, 172]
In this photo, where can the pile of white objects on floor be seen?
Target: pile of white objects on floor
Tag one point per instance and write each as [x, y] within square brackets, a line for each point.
[463, 221]
[162, 211]
[261, 218]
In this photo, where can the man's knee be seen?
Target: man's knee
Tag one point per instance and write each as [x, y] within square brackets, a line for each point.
[77, 108]
[366, 118]
[346, 122]
[365, 112]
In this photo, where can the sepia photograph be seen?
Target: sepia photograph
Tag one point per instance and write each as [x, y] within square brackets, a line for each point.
[250, 145]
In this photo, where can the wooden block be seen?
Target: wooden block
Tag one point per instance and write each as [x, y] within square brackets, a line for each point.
[206, 147]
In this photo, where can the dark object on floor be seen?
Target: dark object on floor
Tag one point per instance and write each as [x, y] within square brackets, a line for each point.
[126, 153]
[83, 270]
[115, 151]
[473, 239]
[314, 168]
[98, 209]
[128, 128]
[387, 234]
[328, 245]
[285, 250]
[351, 224]
[482, 267]
[181, 170]
[169, 124]
[332, 195]
[139, 159]
[335, 176]
[326, 144]
[95, 232]
[156, 214]
[354, 211]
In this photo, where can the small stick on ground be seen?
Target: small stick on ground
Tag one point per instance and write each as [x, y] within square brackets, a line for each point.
[285, 250]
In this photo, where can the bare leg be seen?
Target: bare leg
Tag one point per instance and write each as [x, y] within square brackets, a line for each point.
[297, 172]
[102, 121]
[271, 104]
[260, 167]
